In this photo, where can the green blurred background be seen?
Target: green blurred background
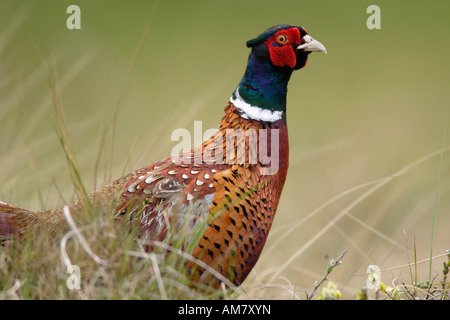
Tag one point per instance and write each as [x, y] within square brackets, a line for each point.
[375, 104]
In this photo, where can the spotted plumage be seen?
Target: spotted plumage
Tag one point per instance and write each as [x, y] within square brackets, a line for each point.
[222, 195]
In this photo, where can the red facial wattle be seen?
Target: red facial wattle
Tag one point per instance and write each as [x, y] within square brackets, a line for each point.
[283, 54]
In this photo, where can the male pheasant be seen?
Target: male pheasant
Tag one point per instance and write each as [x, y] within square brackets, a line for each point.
[223, 194]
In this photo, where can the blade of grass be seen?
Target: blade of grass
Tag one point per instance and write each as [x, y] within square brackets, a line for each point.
[361, 198]
[84, 243]
[433, 224]
[158, 277]
[101, 150]
[315, 211]
[415, 266]
[405, 265]
[125, 81]
[64, 138]
[375, 231]
[186, 256]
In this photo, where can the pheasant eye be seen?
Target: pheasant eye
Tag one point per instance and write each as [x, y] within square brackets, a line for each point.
[281, 39]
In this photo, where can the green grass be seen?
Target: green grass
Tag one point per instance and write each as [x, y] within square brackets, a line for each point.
[79, 109]
[433, 225]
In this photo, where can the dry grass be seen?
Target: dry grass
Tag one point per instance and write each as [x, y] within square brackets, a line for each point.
[112, 266]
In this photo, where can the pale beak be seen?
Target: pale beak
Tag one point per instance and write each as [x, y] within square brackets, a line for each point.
[312, 45]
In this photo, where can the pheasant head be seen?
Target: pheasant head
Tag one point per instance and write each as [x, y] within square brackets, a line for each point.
[274, 55]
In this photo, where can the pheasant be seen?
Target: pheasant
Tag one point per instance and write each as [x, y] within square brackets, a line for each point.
[222, 195]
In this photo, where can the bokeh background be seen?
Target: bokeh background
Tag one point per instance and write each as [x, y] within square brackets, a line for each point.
[358, 118]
